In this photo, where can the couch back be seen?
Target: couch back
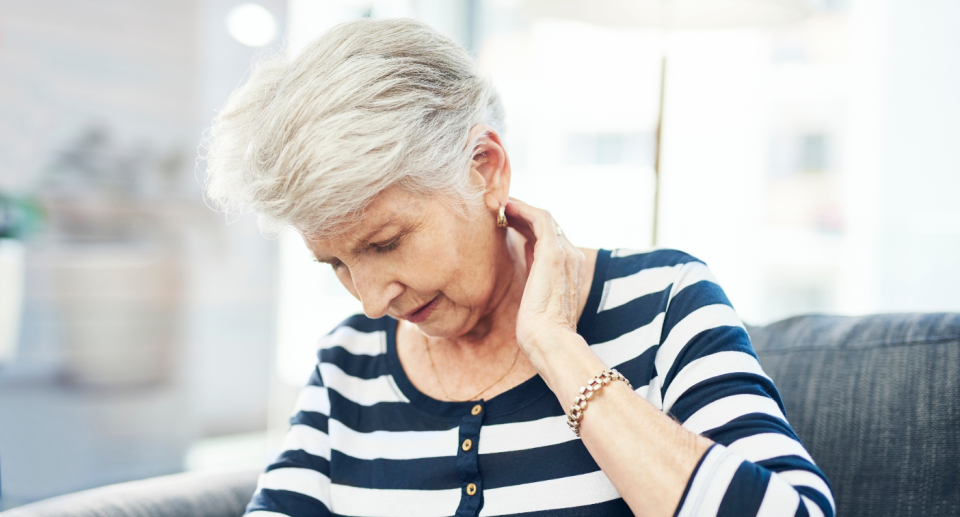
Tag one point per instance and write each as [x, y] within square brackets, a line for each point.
[876, 401]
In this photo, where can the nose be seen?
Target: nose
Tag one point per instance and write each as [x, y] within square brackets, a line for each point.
[375, 289]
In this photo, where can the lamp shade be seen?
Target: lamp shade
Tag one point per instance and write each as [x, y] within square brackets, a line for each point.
[673, 14]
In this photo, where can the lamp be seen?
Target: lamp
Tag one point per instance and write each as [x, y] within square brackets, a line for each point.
[671, 14]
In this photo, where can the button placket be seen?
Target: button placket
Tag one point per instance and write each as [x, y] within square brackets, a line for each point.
[471, 499]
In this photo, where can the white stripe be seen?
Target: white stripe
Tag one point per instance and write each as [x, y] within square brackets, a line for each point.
[307, 439]
[779, 500]
[620, 252]
[708, 367]
[619, 291]
[711, 483]
[302, 481]
[365, 392]
[720, 412]
[630, 345]
[521, 436]
[808, 479]
[553, 494]
[812, 507]
[394, 445]
[264, 513]
[372, 502]
[764, 446]
[704, 318]
[654, 390]
[691, 273]
[356, 342]
[643, 391]
[313, 398]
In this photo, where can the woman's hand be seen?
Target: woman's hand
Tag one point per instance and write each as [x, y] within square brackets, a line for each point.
[556, 271]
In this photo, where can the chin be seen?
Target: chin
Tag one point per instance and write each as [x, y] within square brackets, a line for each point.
[438, 327]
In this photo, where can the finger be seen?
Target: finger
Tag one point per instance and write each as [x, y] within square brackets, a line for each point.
[535, 221]
[572, 267]
[547, 250]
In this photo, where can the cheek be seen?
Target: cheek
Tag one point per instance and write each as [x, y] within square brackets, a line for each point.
[471, 265]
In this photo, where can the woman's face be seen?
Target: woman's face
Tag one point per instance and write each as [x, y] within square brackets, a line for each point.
[417, 259]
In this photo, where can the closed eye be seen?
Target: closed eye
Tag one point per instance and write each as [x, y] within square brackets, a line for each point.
[388, 247]
[334, 263]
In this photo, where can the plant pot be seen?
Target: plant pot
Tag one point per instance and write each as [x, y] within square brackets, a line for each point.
[119, 309]
[11, 297]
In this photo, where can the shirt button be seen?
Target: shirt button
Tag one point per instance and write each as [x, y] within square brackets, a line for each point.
[467, 444]
[476, 410]
[471, 489]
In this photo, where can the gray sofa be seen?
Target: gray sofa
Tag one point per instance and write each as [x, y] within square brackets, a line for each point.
[875, 399]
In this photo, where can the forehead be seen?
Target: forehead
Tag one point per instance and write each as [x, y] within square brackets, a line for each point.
[392, 205]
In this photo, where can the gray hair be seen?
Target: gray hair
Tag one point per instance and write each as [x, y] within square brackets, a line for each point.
[308, 142]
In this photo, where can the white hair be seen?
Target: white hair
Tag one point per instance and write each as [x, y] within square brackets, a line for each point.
[309, 142]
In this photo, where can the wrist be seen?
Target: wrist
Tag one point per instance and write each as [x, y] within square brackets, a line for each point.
[565, 362]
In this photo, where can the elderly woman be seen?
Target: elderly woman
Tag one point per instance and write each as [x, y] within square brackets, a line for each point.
[480, 379]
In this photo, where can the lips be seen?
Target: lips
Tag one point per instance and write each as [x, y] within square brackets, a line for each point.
[423, 312]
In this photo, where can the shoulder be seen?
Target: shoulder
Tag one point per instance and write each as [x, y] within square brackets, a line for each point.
[657, 274]
[357, 335]
[627, 262]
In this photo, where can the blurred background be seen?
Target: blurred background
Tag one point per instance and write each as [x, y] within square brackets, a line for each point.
[809, 153]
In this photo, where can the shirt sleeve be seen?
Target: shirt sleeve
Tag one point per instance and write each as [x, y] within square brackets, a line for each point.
[297, 483]
[709, 379]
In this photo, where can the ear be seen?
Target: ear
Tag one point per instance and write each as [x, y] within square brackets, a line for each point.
[490, 162]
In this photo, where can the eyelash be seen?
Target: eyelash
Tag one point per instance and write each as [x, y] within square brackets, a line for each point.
[392, 245]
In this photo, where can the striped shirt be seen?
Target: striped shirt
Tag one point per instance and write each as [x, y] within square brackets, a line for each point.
[365, 442]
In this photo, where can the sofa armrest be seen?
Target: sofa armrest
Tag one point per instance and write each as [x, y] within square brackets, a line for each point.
[219, 493]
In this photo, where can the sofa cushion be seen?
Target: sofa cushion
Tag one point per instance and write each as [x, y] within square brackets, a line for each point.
[221, 493]
[876, 401]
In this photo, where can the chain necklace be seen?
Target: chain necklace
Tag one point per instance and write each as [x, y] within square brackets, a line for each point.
[426, 343]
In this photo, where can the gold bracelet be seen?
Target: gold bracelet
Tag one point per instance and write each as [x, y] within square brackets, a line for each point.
[593, 385]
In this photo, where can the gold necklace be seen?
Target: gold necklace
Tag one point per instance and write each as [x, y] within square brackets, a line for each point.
[426, 343]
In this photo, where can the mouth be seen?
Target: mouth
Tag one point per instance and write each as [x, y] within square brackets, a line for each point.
[424, 312]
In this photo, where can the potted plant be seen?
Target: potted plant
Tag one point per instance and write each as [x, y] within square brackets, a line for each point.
[111, 256]
[18, 218]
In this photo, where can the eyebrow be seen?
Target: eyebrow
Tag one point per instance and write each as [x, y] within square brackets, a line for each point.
[364, 243]
[361, 243]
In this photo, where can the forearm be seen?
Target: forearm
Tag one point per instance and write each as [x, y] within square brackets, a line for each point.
[646, 455]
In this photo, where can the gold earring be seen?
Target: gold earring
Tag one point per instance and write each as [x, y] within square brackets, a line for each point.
[502, 217]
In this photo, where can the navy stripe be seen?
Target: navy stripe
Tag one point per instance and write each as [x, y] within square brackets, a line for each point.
[628, 317]
[315, 378]
[632, 264]
[749, 425]
[400, 416]
[360, 366]
[785, 463]
[385, 416]
[286, 502]
[313, 419]
[361, 323]
[692, 297]
[818, 498]
[705, 343]
[640, 367]
[605, 509]
[300, 460]
[431, 473]
[745, 493]
[552, 462]
[714, 389]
